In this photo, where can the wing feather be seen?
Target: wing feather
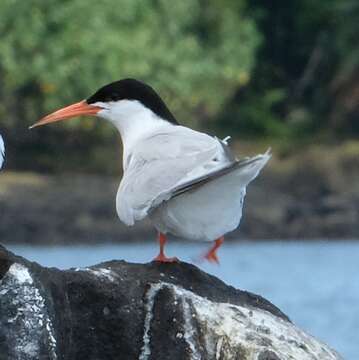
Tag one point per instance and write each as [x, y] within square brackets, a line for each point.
[251, 166]
[175, 161]
[160, 163]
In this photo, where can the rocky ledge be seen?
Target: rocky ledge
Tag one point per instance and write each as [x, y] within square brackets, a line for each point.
[119, 310]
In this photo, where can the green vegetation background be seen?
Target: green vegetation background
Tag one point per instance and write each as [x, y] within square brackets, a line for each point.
[283, 72]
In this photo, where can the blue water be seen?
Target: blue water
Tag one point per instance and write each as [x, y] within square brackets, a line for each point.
[314, 283]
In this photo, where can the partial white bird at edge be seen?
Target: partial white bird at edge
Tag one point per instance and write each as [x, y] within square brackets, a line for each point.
[2, 151]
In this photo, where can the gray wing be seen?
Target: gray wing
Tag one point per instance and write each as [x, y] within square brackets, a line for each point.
[2, 151]
[160, 163]
[249, 169]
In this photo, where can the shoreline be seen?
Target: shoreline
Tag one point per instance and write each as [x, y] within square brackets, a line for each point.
[312, 195]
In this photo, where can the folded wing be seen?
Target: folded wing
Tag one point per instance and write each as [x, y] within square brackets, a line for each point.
[176, 161]
[246, 170]
[161, 163]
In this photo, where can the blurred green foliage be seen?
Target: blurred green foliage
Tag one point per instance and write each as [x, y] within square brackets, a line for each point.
[305, 82]
[254, 68]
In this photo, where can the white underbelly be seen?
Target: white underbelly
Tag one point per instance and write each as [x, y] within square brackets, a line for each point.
[205, 213]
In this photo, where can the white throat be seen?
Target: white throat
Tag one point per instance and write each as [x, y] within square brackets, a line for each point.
[133, 120]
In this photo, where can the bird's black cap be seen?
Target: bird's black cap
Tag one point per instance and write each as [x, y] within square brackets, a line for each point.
[132, 89]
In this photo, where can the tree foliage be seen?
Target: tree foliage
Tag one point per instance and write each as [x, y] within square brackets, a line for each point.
[188, 50]
[305, 81]
[196, 53]
[262, 69]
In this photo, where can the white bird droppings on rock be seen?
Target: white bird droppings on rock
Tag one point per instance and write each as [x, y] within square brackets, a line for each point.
[20, 273]
[146, 350]
[102, 272]
[30, 320]
[232, 328]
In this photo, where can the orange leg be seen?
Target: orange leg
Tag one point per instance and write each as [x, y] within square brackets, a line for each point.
[161, 257]
[211, 256]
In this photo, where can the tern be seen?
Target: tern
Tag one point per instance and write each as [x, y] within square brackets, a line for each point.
[2, 151]
[188, 183]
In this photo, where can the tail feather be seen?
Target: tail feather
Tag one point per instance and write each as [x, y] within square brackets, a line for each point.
[249, 169]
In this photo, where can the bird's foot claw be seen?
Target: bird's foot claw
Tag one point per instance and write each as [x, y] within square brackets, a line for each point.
[164, 259]
[212, 257]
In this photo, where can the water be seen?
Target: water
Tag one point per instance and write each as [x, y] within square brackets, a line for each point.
[314, 283]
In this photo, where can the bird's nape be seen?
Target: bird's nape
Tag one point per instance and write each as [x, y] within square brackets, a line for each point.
[133, 90]
[77, 109]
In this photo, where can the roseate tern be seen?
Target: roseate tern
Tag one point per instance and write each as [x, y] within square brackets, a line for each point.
[186, 182]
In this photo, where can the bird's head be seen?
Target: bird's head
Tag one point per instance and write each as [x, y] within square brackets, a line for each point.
[115, 102]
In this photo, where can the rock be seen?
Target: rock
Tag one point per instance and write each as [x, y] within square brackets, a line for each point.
[119, 310]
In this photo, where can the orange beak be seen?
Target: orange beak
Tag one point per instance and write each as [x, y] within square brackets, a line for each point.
[77, 109]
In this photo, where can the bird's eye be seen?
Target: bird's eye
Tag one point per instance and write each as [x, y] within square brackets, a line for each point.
[114, 97]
